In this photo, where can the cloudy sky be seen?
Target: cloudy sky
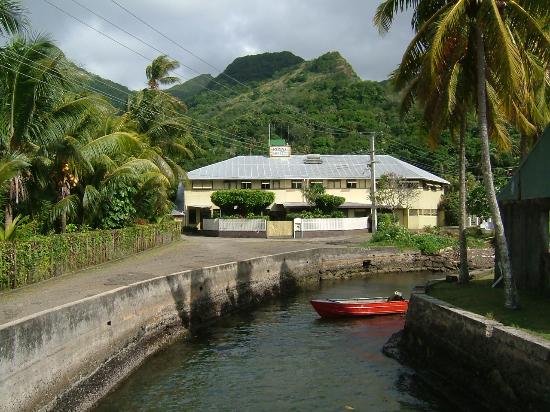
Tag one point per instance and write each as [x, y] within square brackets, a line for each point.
[218, 31]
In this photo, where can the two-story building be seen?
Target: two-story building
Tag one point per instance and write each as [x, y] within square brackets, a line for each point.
[286, 175]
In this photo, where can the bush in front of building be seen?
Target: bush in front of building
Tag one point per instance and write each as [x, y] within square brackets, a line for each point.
[242, 201]
[315, 195]
[390, 233]
[328, 203]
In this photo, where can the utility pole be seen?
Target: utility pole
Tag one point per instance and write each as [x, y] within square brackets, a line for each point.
[269, 135]
[373, 213]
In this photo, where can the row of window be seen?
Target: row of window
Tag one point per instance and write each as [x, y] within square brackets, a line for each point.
[423, 212]
[274, 184]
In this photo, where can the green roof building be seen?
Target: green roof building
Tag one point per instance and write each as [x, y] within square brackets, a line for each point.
[525, 205]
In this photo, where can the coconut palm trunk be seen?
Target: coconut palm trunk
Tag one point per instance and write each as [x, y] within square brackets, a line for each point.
[502, 256]
[464, 275]
[8, 210]
[8, 214]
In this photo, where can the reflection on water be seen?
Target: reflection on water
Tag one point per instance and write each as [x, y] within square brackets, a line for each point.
[282, 357]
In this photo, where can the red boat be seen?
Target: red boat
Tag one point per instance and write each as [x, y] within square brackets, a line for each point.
[359, 307]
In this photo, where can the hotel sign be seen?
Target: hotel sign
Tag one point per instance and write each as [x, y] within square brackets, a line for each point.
[279, 151]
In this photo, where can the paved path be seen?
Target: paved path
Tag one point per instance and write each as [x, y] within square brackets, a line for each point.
[193, 252]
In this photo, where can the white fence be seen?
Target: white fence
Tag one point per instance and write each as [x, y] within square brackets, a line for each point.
[347, 223]
[234, 225]
[300, 225]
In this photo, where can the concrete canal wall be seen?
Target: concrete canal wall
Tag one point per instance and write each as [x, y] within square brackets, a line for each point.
[68, 357]
[499, 367]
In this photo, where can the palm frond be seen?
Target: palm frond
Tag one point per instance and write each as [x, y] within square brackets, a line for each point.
[9, 232]
[68, 205]
[11, 166]
[91, 202]
[446, 34]
[12, 17]
[111, 145]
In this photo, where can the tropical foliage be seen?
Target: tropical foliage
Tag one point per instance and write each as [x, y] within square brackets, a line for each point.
[453, 58]
[67, 156]
[38, 257]
[390, 233]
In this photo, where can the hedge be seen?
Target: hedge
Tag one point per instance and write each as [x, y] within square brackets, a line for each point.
[42, 257]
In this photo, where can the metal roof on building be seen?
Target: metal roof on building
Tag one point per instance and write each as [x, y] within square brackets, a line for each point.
[293, 167]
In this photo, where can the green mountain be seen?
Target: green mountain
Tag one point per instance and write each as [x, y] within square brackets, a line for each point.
[116, 93]
[318, 106]
[258, 67]
[186, 91]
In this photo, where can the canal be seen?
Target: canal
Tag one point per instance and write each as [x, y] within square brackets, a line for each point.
[282, 357]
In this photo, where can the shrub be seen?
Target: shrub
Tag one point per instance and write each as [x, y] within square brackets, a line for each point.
[390, 233]
[242, 201]
[31, 260]
[430, 244]
[328, 203]
[119, 210]
[314, 214]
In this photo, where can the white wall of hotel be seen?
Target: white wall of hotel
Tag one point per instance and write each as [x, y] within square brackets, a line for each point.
[421, 213]
[342, 175]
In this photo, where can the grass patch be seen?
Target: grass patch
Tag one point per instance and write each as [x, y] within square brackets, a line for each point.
[479, 297]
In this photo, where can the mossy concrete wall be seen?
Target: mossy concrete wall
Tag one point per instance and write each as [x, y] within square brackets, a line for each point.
[497, 367]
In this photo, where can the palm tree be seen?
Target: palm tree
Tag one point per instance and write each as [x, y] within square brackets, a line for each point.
[500, 72]
[158, 72]
[31, 82]
[12, 17]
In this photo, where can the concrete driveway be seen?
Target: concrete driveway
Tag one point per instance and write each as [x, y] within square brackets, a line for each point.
[191, 253]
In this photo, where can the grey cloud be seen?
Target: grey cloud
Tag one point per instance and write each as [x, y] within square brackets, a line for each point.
[219, 31]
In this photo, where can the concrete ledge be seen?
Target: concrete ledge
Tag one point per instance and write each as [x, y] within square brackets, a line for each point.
[503, 368]
[232, 233]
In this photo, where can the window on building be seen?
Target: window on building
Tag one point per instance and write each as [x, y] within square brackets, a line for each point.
[266, 185]
[202, 184]
[276, 184]
[246, 185]
[229, 184]
[334, 184]
[413, 212]
[296, 184]
[351, 184]
[318, 183]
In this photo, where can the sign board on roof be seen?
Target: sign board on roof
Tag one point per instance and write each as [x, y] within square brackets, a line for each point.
[279, 151]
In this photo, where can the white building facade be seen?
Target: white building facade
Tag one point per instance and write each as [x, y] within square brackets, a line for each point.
[286, 176]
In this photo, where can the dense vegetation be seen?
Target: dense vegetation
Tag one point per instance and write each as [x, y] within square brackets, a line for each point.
[390, 233]
[69, 159]
[34, 258]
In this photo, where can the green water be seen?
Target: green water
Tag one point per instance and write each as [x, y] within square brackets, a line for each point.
[282, 357]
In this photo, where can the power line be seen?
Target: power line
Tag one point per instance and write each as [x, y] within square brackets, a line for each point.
[133, 36]
[191, 126]
[148, 45]
[309, 119]
[116, 41]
